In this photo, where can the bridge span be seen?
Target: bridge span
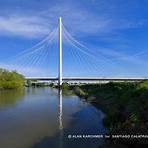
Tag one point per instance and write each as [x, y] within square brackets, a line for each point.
[87, 79]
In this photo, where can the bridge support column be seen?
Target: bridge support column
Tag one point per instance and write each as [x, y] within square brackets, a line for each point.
[60, 51]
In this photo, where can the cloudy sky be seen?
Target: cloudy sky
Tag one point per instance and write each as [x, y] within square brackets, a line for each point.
[116, 29]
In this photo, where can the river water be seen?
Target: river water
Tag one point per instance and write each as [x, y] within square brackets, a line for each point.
[44, 118]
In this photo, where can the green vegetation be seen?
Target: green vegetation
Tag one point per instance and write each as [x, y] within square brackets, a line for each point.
[35, 83]
[28, 83]
[10, 80]
[125, 104]
[51, 84]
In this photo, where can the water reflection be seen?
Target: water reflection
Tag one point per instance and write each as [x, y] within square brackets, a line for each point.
[60, 110]
[46, 118]
[60, 119]
[10, 98]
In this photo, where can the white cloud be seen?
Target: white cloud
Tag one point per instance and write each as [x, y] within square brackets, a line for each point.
[76, 19]
[23, 26]
[26, 70]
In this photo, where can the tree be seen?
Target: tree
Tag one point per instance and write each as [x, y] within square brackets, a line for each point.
[10, 80]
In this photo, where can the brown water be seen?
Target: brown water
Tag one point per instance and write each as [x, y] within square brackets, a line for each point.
[43, 118]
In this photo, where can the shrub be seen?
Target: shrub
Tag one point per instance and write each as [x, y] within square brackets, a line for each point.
[10, 80]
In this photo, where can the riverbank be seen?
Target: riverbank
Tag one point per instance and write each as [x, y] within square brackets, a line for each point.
[125, 106]
[11, 80]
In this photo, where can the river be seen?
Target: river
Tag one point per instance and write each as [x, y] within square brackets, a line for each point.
[44, 118]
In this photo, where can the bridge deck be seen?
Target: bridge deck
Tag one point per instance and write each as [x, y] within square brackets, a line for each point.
[88, 78]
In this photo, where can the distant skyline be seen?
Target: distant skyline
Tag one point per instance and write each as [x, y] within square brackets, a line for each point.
[115, 29]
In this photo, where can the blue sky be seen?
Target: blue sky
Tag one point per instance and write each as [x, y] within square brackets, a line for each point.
[116, 29]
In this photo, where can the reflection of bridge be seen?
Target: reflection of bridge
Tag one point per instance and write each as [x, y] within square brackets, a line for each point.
[87, 79]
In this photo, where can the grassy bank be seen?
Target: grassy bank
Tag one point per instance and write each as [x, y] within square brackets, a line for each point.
[125, 105]
[10, 80]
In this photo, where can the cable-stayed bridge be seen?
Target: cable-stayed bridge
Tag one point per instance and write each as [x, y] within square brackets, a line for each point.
[60, 53]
